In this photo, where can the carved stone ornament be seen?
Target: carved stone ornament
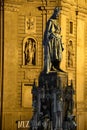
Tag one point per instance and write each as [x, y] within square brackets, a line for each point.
[29, 51]
[11, 7]
[30, 24]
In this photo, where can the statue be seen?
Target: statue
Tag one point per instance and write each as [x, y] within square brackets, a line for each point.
[69, 92]
[53, 98]
[30, 52]
[56, 108]
[52, 42]
[70, 54]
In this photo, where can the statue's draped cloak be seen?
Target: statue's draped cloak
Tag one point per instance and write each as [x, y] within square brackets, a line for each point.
[52, 43]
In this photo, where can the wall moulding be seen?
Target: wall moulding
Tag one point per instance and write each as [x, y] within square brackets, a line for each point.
[31, 74]
[11, 7]
[29, 10]
[82, 10]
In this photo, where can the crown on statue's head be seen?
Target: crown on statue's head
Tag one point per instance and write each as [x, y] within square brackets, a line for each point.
[57, 9]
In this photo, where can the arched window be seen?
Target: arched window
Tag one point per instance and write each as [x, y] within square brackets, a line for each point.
[29, 51]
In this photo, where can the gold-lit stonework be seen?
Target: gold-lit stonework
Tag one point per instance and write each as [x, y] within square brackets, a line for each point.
[30, 25]
[26, 19]
[27, 95]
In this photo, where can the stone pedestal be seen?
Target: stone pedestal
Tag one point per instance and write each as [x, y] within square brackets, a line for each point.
[53, 78]
[52, 102]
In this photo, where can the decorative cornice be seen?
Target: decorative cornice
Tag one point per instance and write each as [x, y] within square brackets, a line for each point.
[74, 6]
[11, 7]
[82, 9]
[69, 3]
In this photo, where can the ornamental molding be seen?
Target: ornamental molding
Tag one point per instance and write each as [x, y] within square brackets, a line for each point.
[11, 7]
[74, 7]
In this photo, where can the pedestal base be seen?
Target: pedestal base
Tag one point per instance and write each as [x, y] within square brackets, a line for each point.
[57, 79]
[53, 103]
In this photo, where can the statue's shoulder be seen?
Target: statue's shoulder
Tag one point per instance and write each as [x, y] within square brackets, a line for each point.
[51, 20]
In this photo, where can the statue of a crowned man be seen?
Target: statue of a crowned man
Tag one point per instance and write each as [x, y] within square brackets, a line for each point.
[52, 42]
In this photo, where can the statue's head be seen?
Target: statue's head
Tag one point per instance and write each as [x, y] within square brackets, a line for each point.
[56, 11]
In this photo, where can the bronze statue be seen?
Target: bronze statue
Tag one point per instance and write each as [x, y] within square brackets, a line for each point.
[52, 42]
[53, 104]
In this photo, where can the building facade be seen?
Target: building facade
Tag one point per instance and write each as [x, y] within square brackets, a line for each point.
[21, 58]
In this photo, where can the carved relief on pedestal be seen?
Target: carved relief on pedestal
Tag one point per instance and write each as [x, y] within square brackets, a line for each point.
[70, 54]
[30, 24]
[29, 51]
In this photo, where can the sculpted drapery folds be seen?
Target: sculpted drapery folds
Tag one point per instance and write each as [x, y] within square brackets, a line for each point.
[53, 46]
[29, 51]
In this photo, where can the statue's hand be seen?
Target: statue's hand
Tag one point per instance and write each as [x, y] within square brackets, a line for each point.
[52, 35]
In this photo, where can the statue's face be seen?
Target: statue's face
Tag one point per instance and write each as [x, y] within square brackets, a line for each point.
[56, 14]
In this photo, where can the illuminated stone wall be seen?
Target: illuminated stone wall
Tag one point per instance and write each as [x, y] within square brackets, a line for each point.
[18, 76]
[25, 20]
[76, 12]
